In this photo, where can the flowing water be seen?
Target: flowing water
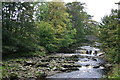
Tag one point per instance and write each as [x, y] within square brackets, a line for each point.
[90, 61]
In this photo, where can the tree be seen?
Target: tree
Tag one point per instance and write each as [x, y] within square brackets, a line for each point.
[56, 16]
[46, 37]
[109, 35]
[91, 27]
[78, 17]
[18, 27]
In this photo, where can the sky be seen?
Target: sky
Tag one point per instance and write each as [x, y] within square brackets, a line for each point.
[98, 8]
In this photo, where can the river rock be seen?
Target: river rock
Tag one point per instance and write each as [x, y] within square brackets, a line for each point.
[75, 65]
[13, 76]
[71, 62]
[53, 57]
[69, 69]
[80, 51]
[32, 78]
[94, 59]
[42, 65]
[41, 76]
[54, 68]
[67, 65]
[28, 63]
[101, 67]
[22, 68]
[74, 59]
[73, 69]
[63, 69]
[87, 65]
[87, 52]
[1, 64]
[100, 54]
[70, 65]
[74, 56]
[45, 60]
[19, 61]
[108, 65]
[97, 66]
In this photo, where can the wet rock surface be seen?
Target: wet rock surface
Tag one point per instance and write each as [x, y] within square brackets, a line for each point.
[37, 66]
[60, 65]
[88, 64]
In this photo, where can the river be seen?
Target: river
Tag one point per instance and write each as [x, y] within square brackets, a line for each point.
[90, 59]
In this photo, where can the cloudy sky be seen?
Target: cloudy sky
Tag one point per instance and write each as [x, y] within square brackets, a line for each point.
[98, 8]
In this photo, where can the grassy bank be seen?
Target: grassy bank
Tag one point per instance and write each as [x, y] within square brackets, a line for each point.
[115, 72]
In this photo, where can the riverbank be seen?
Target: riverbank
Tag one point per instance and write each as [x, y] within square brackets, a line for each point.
[114, 73]
[37, 66]
[40, 65]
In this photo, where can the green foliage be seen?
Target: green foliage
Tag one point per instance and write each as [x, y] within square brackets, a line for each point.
[115, 74]
[41, 10]
[55, 29]
[41, 27]
[46, 36]
[79, 18]
[91, 27]
[109, 35]
[18, 27]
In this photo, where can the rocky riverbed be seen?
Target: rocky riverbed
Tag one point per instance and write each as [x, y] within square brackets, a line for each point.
[91, 61]
[81, 64]
[39, 66]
